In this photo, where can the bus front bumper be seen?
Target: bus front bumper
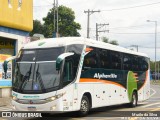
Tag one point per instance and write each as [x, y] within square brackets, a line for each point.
[55, 106]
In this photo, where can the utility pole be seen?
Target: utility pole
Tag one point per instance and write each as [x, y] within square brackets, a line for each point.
[98, 26]
[155, 44]
[54, 2]
[88, 19]
[57, 19]
[55, 12]
[158, 69]
[136, 46]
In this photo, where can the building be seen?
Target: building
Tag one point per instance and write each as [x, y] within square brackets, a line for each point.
[16, 21]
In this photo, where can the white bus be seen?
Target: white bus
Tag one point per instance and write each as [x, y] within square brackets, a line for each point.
[77, 74]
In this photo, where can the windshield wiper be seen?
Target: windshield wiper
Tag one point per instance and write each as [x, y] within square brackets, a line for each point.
[25, 78]
[38, 77]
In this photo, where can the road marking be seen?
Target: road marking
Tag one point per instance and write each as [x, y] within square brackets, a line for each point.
[156, 109]
[154, 92]
[153, 100]
[150, 105]
[142, 103]
[5, 109]
[78, 119]
[156, 97]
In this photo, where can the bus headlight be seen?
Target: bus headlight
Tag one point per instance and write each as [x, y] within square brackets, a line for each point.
[14, 98]
[53, 108]
[55, 97]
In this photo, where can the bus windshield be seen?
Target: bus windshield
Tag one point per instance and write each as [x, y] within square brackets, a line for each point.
[35, 71]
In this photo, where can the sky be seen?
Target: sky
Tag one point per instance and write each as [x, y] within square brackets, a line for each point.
[127, 20]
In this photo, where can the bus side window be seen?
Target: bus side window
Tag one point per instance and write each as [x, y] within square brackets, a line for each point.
[116, 60]
[127, 62]
[68, 72]
[135, 63]
[144, 64]
[104, 58]
[90, 60]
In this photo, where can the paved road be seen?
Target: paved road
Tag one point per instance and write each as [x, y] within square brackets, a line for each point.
[153, 104]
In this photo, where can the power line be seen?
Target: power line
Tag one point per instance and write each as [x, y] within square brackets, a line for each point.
[43, 5]
[142, 47]
[137, 26]
[131, 33]
[132, 7]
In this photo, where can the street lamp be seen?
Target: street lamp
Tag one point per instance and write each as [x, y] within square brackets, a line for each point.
[155, 42]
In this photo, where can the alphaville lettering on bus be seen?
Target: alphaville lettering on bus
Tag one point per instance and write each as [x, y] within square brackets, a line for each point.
[99, 76]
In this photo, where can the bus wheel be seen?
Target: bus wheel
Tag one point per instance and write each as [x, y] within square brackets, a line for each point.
[85, 106]
[134, 100]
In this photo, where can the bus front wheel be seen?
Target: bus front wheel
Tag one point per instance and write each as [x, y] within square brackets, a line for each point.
[84, 106]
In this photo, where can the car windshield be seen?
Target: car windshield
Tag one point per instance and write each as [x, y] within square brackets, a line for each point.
[35, 71]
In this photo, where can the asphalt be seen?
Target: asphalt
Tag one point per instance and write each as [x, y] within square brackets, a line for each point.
[5, 101]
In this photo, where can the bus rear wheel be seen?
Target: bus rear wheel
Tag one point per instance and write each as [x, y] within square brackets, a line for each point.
[84, 106]
[134, 100]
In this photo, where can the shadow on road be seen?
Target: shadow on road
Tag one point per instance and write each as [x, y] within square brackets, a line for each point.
[96, 112]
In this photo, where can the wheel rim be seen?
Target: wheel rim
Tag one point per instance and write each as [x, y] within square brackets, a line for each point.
[134, 100]
[84, 106]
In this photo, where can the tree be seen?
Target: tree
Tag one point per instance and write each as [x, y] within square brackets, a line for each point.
[66, 24]
[114, 42]
[37, 28]
[152, 65]
[106, 40]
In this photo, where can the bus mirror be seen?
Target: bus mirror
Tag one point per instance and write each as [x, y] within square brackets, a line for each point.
[61, 58]
[5, 64]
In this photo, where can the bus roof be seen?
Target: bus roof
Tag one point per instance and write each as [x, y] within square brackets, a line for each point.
[63, 41]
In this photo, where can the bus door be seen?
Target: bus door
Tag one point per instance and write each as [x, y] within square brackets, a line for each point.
[68, 88]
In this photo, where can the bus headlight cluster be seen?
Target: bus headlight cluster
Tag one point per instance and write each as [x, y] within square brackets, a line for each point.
[53, 107]
[14, 98]
[55, 97]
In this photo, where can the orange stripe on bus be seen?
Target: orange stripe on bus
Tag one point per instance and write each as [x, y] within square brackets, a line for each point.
[135, 77]
[102, 81]
[135, 74]
[88, 49]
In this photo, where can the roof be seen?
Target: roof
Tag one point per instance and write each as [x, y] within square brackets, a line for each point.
[63, 41]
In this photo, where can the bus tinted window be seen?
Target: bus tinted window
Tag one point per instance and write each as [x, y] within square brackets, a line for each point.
[143, 64]
[127, 62]
[71, 63]
[90, 60]
[49, 54]
[135, 65]
[104, 58]
[116, 60]
[27, 55]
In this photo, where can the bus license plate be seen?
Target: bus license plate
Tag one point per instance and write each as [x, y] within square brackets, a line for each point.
[32, 109]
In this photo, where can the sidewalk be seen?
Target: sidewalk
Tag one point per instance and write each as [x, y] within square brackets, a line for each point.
[5, 102]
